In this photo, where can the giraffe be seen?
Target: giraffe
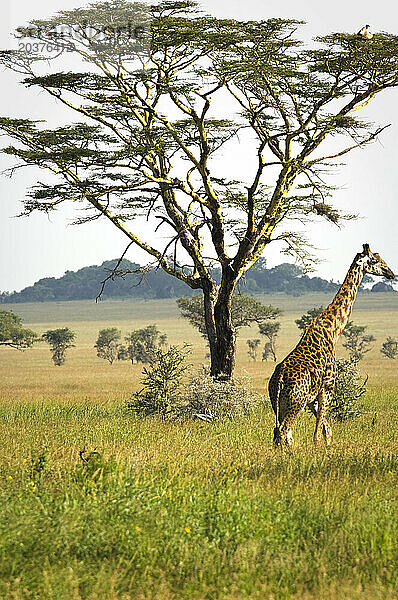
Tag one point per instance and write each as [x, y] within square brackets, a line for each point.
[307, 375]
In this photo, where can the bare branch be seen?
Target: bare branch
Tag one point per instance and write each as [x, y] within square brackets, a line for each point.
[112, 273]
[358, 145]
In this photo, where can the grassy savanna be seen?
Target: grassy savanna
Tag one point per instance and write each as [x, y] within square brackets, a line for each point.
[189, 510]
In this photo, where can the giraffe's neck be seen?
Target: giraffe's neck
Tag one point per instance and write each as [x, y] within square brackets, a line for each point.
[334, 318]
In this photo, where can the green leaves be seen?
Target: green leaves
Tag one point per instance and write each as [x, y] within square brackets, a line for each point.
[107, 344]
[13, 334]
[59, 341]
[18, 126]
[70, 81]
[369, 62]
[244, 311]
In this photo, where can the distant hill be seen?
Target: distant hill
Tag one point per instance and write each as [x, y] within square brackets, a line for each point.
[85, 284]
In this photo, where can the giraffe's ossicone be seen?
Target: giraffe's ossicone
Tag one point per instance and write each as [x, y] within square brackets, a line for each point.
[307, 375]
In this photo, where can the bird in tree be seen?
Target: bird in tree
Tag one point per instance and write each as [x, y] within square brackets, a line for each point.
[365, 33]
[148, 147]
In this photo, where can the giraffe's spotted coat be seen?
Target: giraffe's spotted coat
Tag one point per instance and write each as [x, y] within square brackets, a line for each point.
[307, 375]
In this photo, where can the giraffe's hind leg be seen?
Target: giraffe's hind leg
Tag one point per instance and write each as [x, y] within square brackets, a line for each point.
[291, 403]
[326, 429]
[319, 407]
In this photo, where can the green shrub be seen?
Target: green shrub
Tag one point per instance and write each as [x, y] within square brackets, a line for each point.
[161, 382]
[349, 388]
[390, 348]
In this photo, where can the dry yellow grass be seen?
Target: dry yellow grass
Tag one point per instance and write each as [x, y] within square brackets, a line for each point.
[30, 375]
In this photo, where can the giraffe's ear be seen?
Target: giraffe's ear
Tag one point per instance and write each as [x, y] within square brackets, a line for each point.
[366, 249]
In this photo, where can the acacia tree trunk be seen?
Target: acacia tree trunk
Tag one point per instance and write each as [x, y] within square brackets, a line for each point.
[224, 351]
[220, 331]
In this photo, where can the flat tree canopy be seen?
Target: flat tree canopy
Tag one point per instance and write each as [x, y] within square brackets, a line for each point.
[150, 102]
[12, 333]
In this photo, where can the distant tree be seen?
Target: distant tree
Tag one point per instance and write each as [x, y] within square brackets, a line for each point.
[357, 342]
[270, 331]
[286, 271]
[122, 353]
[142, 343]
[59, 341]
[390, 348]
[12, 333]
[4, 297]
[382, 286]
[245, 310]
[306, 319]
[107, 344]
[253, 345]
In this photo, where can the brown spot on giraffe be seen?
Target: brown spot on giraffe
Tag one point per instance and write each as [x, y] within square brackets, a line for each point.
[307, 375]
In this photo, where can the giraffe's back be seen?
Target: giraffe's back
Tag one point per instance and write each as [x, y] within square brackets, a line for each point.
[297, 380]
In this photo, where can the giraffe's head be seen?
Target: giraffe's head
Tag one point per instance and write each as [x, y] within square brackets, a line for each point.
[373, 264]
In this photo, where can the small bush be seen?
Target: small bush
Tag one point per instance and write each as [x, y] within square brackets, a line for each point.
[161, 382]
[349, 388]
[208, 399]
[390, 348]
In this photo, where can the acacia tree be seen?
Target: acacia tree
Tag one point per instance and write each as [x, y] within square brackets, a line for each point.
[59, 341]
[12, 333]
[270, 331]
[152, 100]
[253, 345]
[245, 310]
[107, 344]
[305, 319]
[142, 344]
[357, 341]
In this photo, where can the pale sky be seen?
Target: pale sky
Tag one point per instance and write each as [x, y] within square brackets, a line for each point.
[35, 247]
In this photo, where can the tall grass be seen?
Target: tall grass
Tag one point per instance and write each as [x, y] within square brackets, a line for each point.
[188, 511]
[192, 511]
